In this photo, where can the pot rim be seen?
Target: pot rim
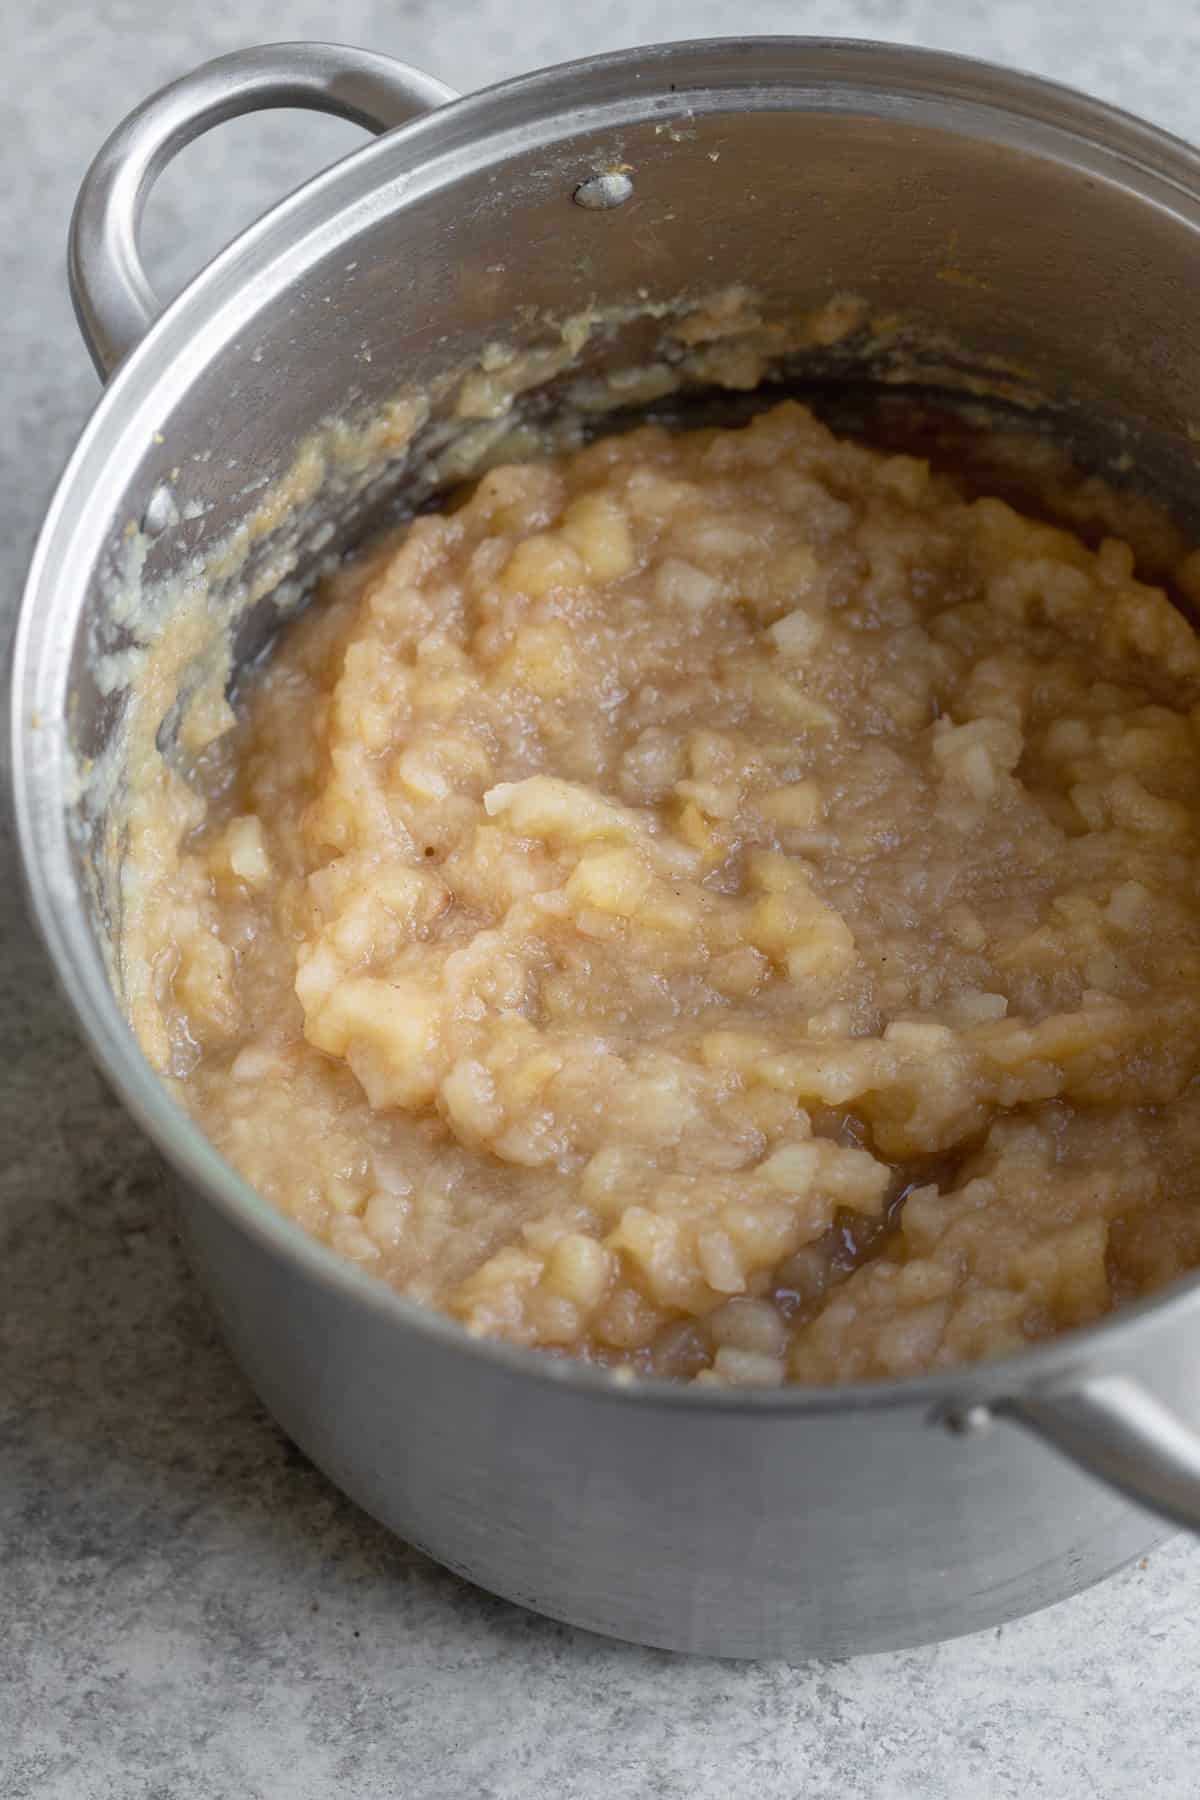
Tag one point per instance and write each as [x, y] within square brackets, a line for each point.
[1162, 169]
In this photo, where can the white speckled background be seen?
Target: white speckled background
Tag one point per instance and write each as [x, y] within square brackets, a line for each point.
[187, 1610]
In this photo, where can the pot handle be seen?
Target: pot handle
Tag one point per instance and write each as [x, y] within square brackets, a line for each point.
[114, 302]
[1116, 1430]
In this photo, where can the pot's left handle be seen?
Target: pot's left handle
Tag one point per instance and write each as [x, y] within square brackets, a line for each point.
[114, 302]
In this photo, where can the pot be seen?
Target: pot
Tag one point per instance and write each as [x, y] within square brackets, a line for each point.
[1033, 230]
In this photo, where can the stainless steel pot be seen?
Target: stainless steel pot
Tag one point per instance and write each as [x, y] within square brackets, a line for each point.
[1027, 222]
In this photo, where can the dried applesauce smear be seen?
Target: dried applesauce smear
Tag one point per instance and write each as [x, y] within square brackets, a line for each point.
[719, 904]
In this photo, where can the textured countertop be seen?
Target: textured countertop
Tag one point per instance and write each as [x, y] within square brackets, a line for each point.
[187, 1609]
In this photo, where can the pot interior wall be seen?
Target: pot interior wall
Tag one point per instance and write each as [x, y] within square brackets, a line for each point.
[980, 259]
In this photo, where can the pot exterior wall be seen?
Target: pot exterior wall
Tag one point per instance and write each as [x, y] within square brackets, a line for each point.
[727, 1533]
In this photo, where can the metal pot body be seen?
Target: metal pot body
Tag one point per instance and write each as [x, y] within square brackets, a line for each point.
[1014, 224]
[744, 1531]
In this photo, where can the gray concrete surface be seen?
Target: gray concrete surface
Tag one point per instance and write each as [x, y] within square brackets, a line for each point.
[187, 1610]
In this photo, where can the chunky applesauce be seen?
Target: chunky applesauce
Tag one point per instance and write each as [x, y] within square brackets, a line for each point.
[721, 904]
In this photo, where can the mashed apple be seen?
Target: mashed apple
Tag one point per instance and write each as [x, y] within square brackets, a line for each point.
[720, 904]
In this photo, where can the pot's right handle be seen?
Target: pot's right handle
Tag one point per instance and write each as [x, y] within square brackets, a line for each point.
[1116, 1430]
[114, 302]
